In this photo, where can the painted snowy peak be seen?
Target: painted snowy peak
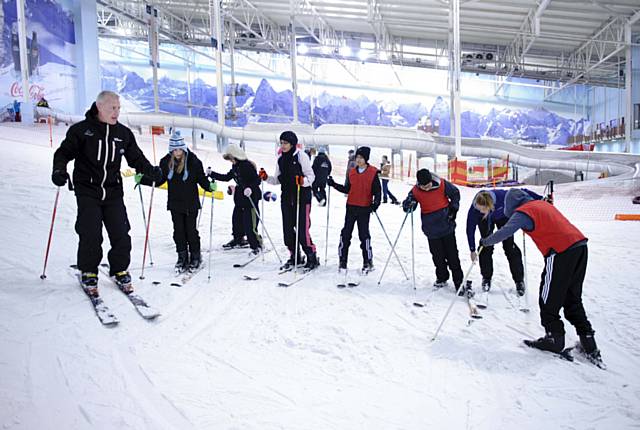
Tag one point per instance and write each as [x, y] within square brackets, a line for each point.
[268, 105]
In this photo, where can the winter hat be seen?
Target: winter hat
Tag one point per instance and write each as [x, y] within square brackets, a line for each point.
[289, 136]
[234, 151]
[424, 177]
[364, 152]
[177, 142]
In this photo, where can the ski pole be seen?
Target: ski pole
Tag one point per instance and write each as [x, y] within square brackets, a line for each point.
[413, 256]
[210, 236]
[394, 245]
[53, 219]
[201, 209]
[526, 275]
[295, 260]
[326, 234]
[462, 289]
[146, 238]
[265, 230]
[262, 211]
[144, 218]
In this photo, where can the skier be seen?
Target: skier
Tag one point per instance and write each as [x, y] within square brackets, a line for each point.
[246, 176]
[97, 145]
[363, 189]
[385, 171]
[183, 172]
[351, 162]
[439, 203]
[321, 169]
[564, 249]
[295, 176]
[487, 212]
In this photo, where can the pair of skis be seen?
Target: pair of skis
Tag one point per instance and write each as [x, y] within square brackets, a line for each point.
[187, 275]
[566, 354]
[104, 314]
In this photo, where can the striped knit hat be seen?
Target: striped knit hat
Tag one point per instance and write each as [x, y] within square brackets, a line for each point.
[177, 142]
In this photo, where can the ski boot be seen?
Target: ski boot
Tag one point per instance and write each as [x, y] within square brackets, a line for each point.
[520, 288]
[195, 261]
[182, 263]
[486, 285]
[236, 243]
[468, 291]
[90, 283]
[550, 342]
[255, 252]
[588, 347]
[290, 263]
[440, 284]
[123, 280]
[312, 262]
[367, 267]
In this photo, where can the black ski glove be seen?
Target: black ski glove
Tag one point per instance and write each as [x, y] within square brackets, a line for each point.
[59, 177]
[452, 214]
[375, 206]
[330, 181]
[409, 204]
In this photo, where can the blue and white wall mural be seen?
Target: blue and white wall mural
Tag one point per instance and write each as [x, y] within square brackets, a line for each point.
[51, 53]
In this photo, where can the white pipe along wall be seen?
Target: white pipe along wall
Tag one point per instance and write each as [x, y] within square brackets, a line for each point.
[621, 165]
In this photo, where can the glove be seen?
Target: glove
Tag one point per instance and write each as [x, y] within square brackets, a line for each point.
[213, 187]
[263, 174]
[247, 192]
[300, 181]
[330, 181]
[138, 178]
[482, 242]
[231, 189]
[208, 171]
[548, 198]
[59, 177]
[268, 195]
[474, 256]
[156, 174]
[409, 204]
[452, 214]
[374, 206]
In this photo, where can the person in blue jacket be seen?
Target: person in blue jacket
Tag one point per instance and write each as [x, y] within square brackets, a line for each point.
[486, 213]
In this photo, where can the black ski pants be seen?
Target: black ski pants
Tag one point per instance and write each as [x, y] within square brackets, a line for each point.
[359, 215]
[237, 223]
[444, 252]
[319, 190]
[92, 214]
[185, 232]
[511, 251]
[386, 193]
[289, 209]
[250, 225]
[561, 287]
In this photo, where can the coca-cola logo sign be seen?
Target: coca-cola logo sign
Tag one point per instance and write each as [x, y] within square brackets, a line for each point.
[35, 91]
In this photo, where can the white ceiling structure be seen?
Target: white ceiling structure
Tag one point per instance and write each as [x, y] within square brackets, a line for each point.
[558, 41]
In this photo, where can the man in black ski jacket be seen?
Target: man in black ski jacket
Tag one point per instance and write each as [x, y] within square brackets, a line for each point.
[321, 169]
[97, 144]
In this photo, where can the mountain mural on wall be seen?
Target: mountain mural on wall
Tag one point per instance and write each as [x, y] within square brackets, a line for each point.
[268, 105]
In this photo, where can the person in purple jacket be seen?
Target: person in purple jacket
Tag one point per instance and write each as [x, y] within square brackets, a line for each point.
[486, 213]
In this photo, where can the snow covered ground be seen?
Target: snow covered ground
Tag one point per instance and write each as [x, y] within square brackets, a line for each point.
[236, 354]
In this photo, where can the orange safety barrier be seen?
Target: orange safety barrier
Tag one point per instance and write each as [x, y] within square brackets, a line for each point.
[458, 171]
[627, 217]
[157, 129]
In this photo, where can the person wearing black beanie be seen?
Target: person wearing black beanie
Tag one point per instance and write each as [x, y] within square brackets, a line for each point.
[364, 194]
[295, 176]
[439, 202]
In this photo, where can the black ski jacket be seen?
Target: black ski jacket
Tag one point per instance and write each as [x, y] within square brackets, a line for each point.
[245, 174]
[97, 149]
[322, 169]
[182, 195]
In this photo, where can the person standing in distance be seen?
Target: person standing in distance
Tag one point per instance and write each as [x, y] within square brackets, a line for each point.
[97, 145]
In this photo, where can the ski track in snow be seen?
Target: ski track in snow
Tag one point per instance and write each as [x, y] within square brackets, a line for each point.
[230, 353]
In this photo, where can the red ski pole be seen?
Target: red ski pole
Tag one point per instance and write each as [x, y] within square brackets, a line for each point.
[53, 219]
[146, 238]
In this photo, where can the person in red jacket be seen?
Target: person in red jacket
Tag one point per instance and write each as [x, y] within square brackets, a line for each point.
[363, 190]
[564, 248]
[439, 203]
